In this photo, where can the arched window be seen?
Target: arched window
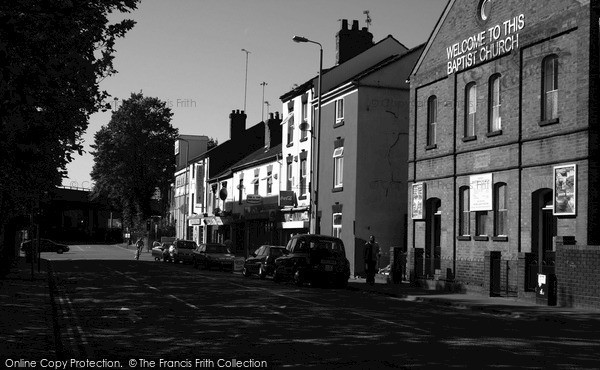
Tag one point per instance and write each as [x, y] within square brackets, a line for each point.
[464, 216]
[431, 120]
[550, 88]
[470, 109]
[500, 210]
[495, 118]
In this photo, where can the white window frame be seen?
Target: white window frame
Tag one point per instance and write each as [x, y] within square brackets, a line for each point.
[495, 104]
[339, 110]
[338, 167]
[470, 109]
[336, 228]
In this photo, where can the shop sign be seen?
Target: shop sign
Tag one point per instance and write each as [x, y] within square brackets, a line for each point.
[287, 198]
[485, 45]
[418, 198]
[564, 192]
[480, 192]
[253, 199]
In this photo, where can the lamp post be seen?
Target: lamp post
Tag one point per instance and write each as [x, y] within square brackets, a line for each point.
[314, 227]
[187, 183]
[262, 112]
[246, 79]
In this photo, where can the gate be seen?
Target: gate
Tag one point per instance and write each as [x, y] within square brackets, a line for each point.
[495, 274]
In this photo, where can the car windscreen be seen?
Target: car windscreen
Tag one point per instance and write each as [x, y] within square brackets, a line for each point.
[217, 249]
[276, 252]
[184, 244]
[328, 246]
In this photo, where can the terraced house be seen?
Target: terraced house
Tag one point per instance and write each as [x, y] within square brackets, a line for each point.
[504, 156]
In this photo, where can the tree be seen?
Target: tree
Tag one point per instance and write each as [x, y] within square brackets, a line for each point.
[52, 56]
[133, 155]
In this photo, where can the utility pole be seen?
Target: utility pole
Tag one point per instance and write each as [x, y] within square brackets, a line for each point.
[246, 80]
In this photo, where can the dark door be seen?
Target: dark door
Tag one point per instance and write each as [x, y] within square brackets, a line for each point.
[494, 274]
[433, 236]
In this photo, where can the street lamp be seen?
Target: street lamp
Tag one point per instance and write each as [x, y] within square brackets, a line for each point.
[246, 80]
[187, 183]
[314, 227]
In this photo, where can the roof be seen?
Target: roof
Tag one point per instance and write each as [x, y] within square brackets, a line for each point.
[257, 157]
[224, 155]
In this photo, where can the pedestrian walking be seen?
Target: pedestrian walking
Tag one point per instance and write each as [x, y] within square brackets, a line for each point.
[139, 245]
[371, 256]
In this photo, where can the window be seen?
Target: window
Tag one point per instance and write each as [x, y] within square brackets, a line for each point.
[240, 189]
[338, 167]
[337, 225]
[304, 118]
[550, 88]
[470, 109]
[339, 111]
[255, 181]
[303, 187]
[500, 210]
[464, 214]
[290, 129]
[431, 120]
[269, 179]
[495, 120]
[481, 223]
[289, 175]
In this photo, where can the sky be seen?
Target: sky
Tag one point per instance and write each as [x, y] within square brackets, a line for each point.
[188, 53]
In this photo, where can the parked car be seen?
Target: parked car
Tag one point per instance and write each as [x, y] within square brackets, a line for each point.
[314, 259]
[161, 252]
[262, 261]
[46, 245]
[211, 255]
[184, 251]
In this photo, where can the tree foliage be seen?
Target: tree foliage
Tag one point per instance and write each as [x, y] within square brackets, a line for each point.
[133, 155]
[53, 54]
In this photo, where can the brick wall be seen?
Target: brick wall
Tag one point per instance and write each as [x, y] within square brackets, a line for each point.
[577, 275]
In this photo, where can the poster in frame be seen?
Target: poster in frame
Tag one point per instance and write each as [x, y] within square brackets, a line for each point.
[418, 201]
[564, 192]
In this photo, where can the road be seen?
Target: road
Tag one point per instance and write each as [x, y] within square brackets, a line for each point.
[115, 308]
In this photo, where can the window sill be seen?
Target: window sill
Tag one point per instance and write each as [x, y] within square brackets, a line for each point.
[303, 139]
[289, 145]
[499, 238]
[463, 237]
[494, 133]
[481, 238]
[549, 122]
[469, 138]
[338, 124]
[302, 197]
[429, 147]
[337, 190]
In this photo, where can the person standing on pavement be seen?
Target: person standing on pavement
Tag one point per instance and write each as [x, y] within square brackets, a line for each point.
[139, 245]
[371, 256]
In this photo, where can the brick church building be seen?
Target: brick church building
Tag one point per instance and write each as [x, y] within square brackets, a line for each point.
[504, 153]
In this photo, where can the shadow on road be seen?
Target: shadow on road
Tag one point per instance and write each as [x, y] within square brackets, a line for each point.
[139, 309]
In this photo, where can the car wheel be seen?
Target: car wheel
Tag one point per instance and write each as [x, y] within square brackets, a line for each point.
[298, 278]
[276, 276]
[245, 272]
[156, 259]
[262, 273]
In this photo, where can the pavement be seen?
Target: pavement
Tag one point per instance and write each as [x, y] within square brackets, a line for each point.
[30, 324]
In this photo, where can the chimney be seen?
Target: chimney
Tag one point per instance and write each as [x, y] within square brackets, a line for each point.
[237, 125]
[273, 131]
[351, 42]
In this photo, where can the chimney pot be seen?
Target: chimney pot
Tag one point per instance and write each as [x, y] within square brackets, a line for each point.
[355, 25]
[344, 24]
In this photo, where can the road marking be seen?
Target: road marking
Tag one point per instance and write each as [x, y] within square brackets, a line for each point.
[69, 311]
[158, 290]
[321, 304]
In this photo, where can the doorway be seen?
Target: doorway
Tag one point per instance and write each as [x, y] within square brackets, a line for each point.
[543, 229]
[433, 226]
